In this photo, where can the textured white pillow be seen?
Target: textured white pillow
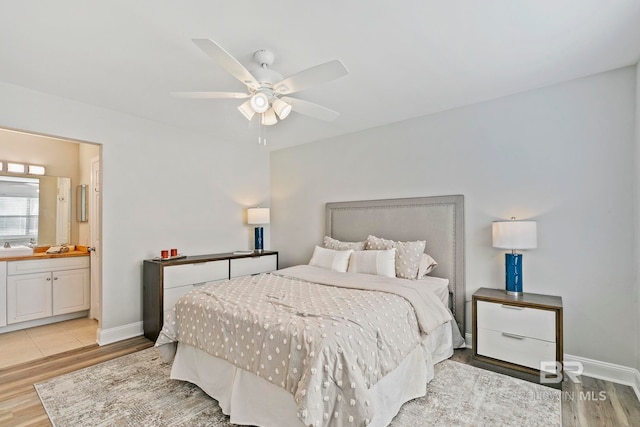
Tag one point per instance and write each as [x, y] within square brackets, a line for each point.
[330, 259]
[427, 264]
[338, 245]
[407, 256]
[382, 263]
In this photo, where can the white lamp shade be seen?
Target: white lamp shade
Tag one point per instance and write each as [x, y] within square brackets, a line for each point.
[269, 117]
[515, 235]
[258, 216]
[246, 110]
[281, 108]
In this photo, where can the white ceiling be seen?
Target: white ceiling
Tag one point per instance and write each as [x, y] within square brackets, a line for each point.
[405, 58]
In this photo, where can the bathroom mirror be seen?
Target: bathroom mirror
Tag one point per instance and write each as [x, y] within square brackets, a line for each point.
[81, 203]
[35, 209]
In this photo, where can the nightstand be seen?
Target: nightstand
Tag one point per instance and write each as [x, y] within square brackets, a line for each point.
[516, 333]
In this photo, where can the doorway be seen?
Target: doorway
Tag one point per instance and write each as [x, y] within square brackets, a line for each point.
[80, 161]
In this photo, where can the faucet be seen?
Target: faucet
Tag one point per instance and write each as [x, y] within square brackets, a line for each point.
[7, 244]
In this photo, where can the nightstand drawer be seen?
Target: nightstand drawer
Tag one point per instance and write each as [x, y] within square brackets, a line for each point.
[522, 321]
[514, 348]
[253, 265]
[190, 274]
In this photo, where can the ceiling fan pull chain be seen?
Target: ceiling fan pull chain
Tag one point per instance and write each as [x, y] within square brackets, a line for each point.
[261, 137]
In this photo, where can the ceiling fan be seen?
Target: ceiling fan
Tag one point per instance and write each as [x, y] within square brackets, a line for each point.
[266, 87]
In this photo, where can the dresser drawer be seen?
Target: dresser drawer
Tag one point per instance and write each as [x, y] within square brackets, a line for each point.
[528, 322]
[189, 274]
[253, 265]
[172, 295]
[514, 349]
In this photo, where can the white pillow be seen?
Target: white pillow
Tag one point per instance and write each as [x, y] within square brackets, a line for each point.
[330, 259]
[338, 245]
[427, 264]
[381, 263]
[407, 257]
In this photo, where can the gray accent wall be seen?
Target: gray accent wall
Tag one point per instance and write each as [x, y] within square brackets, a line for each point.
[563, 155]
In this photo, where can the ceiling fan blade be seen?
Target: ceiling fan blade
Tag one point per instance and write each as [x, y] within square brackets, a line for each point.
[311, 77]
[228, 62]
[310, 109]
[211, 95]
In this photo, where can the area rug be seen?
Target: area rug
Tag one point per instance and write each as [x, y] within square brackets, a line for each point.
[135, 390]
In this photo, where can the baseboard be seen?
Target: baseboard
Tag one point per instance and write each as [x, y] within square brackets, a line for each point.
[111, 335]
[608, 372]
[468, 340]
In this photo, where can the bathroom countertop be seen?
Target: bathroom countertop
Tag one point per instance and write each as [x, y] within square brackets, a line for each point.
[41, 253]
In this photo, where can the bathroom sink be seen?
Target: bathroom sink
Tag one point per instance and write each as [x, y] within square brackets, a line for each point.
[16, 250]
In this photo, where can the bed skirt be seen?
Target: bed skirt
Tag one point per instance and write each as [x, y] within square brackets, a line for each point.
[251, 400]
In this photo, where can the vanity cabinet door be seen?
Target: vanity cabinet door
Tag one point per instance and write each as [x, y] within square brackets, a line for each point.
[28, 297]
[71, 291]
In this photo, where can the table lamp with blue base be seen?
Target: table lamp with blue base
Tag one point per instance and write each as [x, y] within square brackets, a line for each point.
[514, 235]
[258, 216]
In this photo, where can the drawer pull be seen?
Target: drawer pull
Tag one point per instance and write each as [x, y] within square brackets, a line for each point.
[518, 337]
[512, 307]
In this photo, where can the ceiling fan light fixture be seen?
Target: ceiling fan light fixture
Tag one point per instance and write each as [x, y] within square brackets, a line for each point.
[259, 102]
[281, 108]
[246, 110]
[269, 117]
[265, 85]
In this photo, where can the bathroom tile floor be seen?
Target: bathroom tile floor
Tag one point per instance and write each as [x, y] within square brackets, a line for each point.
[34, 343]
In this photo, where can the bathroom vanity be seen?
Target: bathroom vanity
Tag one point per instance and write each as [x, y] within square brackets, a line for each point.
[44, 288]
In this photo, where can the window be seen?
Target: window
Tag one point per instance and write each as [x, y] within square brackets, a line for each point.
[19, 207]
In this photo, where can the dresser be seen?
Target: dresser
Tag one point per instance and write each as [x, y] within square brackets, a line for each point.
[516, 333]
[164, 282]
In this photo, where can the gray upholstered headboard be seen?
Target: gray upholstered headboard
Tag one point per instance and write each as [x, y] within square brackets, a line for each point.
[439, 220]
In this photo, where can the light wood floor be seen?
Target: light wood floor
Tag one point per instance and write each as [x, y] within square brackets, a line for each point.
[20, 405]
[593, 403]
[19, 402]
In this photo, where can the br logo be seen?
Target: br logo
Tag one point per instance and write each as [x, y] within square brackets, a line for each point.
[553, 372]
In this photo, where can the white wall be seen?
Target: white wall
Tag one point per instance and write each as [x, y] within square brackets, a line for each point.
[162, 188]
[562, 155]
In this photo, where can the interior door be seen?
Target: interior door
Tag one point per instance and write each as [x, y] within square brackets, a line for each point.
[95, 230]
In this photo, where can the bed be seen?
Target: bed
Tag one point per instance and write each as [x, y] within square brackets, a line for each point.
[311, 346]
